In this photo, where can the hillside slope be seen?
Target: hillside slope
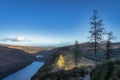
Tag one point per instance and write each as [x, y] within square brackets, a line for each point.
[51, 62]
[107, 71]
[12, 60]
[67, 52]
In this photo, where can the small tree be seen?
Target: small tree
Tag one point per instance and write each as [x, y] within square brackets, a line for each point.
[110, 37]
[96, 32]
[60, 62]
[77, 53]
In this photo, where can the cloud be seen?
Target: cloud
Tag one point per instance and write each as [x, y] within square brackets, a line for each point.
[17, 39]
[20, 39]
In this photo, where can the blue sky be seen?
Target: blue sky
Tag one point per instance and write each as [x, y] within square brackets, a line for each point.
[54, 22]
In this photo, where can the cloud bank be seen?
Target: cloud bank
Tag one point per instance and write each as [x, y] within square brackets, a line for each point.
[17, 39]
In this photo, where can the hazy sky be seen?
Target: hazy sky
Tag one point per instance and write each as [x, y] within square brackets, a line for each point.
[53, 22]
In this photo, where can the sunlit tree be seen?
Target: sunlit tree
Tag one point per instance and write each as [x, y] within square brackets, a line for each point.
[60, 62]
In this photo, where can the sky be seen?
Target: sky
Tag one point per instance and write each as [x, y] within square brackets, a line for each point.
[54, 22]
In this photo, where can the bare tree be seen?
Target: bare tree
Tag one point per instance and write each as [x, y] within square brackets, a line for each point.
[96, 32]
[108, 51]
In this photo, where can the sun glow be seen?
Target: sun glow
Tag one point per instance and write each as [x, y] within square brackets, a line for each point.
[20, 38]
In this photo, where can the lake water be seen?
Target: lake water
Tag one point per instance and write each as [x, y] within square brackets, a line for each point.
[25, 73]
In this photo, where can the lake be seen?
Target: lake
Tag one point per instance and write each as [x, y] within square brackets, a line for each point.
[25, 73]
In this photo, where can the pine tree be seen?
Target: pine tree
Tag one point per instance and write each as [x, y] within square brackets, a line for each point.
[96, 32]
[78, 53]
[110, 37]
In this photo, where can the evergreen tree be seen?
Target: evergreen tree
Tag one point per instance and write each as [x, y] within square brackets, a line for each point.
[110, 37]
[96, 32]
[78, 53]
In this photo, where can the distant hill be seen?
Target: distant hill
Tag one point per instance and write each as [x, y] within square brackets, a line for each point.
[85, 47]
[28, 49]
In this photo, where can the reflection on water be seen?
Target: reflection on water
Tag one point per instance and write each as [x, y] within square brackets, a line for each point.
[26, 73]
[39, 56]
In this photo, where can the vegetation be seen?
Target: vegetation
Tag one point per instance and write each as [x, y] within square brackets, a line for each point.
[107, 71]
[77, 54]
[108, 45]
[65, 75]
[96, 32]
[60, 62]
